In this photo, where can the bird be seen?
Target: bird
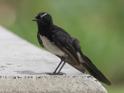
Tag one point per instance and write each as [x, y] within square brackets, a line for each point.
[60, 43]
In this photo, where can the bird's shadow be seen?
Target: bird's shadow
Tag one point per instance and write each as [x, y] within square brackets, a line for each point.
[29, 72]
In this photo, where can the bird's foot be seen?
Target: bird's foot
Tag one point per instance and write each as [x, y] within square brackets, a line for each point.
[60, 73]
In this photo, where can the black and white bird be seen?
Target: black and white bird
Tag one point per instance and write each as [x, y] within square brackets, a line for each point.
[67, 48]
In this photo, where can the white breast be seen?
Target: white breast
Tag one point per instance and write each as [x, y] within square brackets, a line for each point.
[51, 47]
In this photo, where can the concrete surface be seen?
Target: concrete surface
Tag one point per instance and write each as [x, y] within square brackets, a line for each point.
[50, 84]
[22, 66]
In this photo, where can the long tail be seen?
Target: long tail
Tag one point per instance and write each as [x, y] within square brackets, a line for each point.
[92, 69]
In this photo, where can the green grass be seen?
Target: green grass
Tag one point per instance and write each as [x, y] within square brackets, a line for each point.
[116, 89]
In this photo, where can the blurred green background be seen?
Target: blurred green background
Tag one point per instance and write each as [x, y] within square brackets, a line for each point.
[98, 24]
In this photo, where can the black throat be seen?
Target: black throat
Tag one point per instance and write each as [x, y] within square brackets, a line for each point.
[45, 30]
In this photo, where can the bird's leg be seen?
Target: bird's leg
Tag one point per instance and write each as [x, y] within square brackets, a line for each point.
[58, 67]
[61, 67]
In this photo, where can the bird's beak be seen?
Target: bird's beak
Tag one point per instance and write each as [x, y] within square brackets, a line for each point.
[34, 19]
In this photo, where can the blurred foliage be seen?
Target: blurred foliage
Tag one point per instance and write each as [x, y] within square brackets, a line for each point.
[117, 89]
[98, 24]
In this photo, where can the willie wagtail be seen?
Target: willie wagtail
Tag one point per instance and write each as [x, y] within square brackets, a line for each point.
[67, 48]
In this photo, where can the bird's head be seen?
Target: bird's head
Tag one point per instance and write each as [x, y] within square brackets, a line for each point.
[43, 19]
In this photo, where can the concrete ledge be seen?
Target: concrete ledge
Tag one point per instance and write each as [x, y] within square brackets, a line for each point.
[50, 84]
[22, 65]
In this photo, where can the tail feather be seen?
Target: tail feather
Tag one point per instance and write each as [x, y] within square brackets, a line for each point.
[88, 64]
[92, 69]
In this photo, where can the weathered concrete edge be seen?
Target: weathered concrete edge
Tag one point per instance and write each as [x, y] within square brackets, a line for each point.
[50, 84]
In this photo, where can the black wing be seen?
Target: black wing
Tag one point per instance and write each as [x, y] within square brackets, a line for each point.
[87, 63]
[64, 41]
[39, 39]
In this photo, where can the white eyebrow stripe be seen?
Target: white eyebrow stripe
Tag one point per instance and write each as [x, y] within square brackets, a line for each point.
[43, 15]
